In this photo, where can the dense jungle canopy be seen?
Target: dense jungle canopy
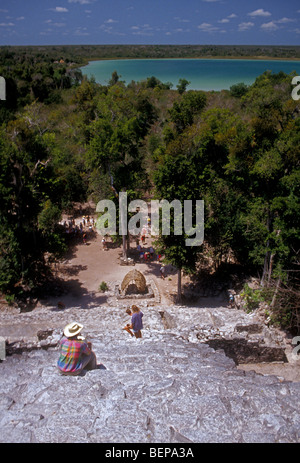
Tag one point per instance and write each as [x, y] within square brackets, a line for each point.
[64, 137]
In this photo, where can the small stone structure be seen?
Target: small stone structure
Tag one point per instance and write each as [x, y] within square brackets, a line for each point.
[135, 286]
[134, 282]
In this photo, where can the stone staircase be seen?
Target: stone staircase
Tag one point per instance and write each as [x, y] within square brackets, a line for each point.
[164, 388]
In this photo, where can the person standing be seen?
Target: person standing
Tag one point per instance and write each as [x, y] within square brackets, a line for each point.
[127, 327]
[151, 250]
[162, 271]
[136, 321]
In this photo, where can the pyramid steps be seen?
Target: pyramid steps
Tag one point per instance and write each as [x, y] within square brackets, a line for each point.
[158, 389]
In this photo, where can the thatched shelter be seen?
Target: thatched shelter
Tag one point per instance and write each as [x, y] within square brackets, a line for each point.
[134, 282]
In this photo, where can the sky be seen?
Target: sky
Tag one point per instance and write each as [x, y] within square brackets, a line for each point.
[219, 22]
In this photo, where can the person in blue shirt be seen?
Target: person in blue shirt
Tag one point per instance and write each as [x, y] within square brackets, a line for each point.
[136, 321]
[231, 300]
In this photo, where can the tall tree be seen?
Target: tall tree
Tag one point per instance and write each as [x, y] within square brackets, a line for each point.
[27, 182]
[115, 136]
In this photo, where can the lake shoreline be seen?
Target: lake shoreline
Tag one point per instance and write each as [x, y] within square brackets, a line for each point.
[238, 58]
[205, 74]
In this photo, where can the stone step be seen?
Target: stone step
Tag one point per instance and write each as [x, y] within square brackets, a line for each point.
[166, 387]
[170, 391]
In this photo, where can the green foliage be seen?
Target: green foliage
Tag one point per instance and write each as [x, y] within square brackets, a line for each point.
[252, 297]
[182, 85]
[28, 213]
[31, 77]
[114, 78]
[239, 90]
[115, 137]
[65, 138]
[75, 55]
[10, 299]
[10, 263]
[153, 82]
[103, 287]
[247, 172]
[182, 113]
[49, 216]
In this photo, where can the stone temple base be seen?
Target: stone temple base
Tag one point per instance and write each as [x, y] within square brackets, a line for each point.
[151, 293]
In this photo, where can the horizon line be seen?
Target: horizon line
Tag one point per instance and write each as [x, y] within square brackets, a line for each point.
[148, 45]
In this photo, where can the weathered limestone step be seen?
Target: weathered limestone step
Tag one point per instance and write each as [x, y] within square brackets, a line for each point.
[166, 387]
[151, 391]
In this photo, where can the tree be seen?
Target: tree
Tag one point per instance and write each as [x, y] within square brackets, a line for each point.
[177, 178]
[114, 78]
[183, 112]
[27, 181]
[239, 90]
[115, 138]
[182, 85]
[244, 173]
[271, 172]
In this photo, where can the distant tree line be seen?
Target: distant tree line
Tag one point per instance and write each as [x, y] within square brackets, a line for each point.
[81, 54]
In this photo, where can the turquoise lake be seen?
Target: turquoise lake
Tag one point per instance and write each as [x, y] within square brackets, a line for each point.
[204, 74]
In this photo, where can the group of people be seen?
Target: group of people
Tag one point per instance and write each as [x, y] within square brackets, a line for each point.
[75, 352]
[86, 226]
[148, 254]
[145, 255]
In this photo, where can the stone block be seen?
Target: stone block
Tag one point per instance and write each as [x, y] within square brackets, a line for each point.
[2, 348]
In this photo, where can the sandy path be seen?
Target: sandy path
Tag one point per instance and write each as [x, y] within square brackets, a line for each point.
[87, 265]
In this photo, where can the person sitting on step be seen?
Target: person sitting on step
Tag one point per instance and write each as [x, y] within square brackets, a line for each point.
[75, 353]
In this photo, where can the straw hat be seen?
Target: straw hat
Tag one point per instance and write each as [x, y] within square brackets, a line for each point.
[72, 329]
